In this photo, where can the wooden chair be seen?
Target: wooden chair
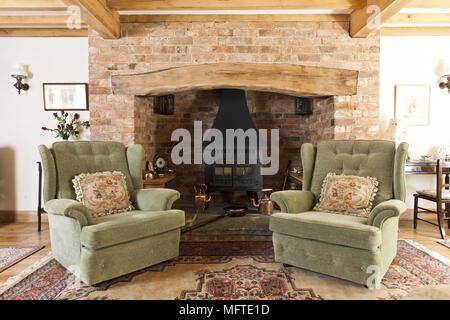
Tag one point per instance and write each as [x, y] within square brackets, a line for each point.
[441, 196]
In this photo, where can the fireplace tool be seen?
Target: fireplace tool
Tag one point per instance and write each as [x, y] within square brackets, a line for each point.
[264, 205]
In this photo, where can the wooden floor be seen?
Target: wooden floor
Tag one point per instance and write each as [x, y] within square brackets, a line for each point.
[25, 234]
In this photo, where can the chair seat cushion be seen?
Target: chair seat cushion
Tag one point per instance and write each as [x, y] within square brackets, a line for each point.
[128, 226]
[350, 231]
[432, 193]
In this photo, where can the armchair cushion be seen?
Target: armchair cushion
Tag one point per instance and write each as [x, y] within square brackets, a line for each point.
[155, 199]
[328, 227]
[293, 201]
[386, 210]
[123, 227]
[69, 208]
[103, 193]
[348, 195]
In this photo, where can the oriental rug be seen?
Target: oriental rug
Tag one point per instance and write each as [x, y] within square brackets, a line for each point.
[9, 256]
[231, 270]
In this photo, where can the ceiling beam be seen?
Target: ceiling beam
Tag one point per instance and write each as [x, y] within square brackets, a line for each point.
[99, 17]
[232, 18]
[415, 31]
[429, 4]
[32, 5]
[42, 32]
[423, 18]
[122, 5]
[33, 21]
[362, 21]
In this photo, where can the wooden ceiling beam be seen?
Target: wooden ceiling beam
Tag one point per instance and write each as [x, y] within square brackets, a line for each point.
[33, 21]
[232, 18]
[429, 4]
[99, 17]
[123, 5]
[422, 18]
[415, 31]
[42, 32]
[362, 21]
[32, 5]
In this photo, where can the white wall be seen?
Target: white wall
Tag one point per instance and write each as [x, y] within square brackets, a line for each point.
[22, 116]
[417, 60]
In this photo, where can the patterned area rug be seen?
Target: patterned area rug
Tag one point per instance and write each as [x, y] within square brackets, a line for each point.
[9, 256]
[231, 270]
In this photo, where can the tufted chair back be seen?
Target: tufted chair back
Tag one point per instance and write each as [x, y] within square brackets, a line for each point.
[374, 158]
[64, 160]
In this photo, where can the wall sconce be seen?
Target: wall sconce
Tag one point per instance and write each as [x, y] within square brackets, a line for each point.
[20, 73]
[444, 84]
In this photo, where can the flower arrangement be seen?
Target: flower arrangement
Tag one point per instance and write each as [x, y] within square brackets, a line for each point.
[68, 125]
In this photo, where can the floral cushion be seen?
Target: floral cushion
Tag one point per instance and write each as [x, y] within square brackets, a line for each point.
[349, 195]
[103, 193]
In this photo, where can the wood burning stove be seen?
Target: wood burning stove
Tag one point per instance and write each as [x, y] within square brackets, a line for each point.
[233, 114]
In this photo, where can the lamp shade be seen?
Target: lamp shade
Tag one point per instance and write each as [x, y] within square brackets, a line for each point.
[446, 68]
[19, 69]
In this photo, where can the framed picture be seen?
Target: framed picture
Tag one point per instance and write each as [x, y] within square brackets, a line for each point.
[66, 96]
[412, 104]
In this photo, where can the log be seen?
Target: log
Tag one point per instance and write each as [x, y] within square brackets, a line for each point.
[294, 80]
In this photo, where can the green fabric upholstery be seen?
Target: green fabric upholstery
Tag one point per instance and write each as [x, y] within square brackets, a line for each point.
[360, 158]
[340, 245]
[293, 201]
[386, 210]
[130, 226]
[111, 262]
[308, 155]
[69, 208]
[49, 173]
[155, 199]
[338, 261]
[65, 239]
[328, 227]
[135, 156]
[107, 247]
[73, 158]
[399, 171]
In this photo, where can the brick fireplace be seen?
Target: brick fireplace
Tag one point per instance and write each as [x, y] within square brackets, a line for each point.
[148, 47]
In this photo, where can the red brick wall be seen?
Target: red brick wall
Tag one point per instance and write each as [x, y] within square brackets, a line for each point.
[147, 47]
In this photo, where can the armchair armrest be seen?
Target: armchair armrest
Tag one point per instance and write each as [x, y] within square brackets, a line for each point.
[386, 210]
[157, 199]
[293, 201]
[69, 208]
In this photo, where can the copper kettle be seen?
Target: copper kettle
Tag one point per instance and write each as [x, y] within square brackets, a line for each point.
[265, 205]
[148, 172]
[202, 199]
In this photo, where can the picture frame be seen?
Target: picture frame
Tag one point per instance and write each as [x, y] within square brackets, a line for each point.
[66, 96]
[412, 104]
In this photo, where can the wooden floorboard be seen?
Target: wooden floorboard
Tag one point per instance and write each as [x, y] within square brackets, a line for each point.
[25, 234]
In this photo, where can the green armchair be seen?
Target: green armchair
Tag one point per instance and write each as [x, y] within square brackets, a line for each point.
[347, 247]
[102, 248]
